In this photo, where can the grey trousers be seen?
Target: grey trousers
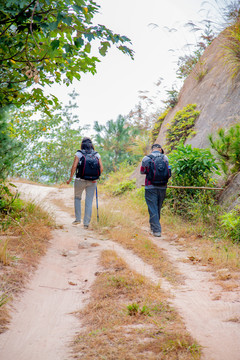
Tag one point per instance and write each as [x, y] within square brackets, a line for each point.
[154, 199]
[90, 188]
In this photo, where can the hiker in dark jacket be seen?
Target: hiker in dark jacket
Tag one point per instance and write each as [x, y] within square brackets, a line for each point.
[154, 194]
[81, 184]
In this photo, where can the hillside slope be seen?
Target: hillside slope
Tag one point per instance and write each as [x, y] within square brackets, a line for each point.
[216, 95]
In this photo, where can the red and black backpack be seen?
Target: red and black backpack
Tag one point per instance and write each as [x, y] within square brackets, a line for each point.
[88, 167]
[159, 172]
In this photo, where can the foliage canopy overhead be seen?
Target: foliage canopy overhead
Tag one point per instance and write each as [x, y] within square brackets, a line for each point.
[46, 41]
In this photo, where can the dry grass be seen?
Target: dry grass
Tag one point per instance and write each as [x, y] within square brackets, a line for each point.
[207, 250]
[4, 317]
[61, 205]
[213, 253]
[230, 47]
[120, 222]
[129, 318]
[221, 254]
[199, 241]
[124, 219]
[21, 246]
[125, 225]
[4, 258]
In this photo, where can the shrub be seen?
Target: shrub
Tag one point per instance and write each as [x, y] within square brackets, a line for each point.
[181, 126]
[227, 148]
[157, 125]
[231, 223]
[15, 211]
[201, 70]
[231, 47]
[172, 99]
[124, 186]
[114, 178]
[192, 167]
[186, 64]
[8, 204]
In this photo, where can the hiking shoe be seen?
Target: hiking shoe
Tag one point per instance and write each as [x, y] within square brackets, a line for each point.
[157, 234]
[85, 226]
[75, 222]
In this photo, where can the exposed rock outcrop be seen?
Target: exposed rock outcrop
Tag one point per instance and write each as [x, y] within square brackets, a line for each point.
[217, 96]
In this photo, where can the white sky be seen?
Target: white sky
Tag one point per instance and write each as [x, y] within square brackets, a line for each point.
[114, 89]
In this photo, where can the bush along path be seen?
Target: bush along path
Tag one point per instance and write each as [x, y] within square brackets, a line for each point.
[98, 296]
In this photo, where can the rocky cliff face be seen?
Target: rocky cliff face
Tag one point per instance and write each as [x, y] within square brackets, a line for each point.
[218, 99]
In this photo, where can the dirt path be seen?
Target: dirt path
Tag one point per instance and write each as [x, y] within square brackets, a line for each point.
[211, 315]
[43, 325]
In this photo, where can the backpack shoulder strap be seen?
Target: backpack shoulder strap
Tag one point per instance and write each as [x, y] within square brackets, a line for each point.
[150, 156]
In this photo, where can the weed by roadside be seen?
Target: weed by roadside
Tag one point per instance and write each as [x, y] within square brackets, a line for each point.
[138, 323]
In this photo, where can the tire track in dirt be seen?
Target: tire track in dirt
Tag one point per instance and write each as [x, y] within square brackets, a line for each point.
[43, 325]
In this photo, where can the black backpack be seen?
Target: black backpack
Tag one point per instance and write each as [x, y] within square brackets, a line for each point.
[159, 172]
[88, 167]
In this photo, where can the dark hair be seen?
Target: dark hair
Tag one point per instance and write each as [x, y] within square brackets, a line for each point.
[87, 144]
[158, 146]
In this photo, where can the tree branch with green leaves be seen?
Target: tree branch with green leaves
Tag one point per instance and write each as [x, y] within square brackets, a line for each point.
[47, 41]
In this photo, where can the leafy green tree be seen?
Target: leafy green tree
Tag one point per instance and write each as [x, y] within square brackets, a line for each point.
[9, 149]
[28, 126]
[227, 147]
[113, 142]
[49, 143]
[53, 157]
[46, 41]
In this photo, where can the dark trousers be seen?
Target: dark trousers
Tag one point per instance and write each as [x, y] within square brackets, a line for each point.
[154, 199]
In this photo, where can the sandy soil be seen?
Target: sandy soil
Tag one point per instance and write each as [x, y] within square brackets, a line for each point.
[43, 325]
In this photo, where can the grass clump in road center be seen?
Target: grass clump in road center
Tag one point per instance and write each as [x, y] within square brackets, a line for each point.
[125, 225]
[129, 318]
